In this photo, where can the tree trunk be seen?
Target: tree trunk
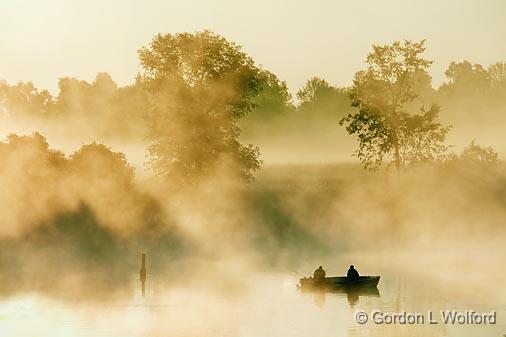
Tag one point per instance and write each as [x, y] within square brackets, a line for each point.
[397, 155]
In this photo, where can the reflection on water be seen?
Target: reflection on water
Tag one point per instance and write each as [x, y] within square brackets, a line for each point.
[352, 294]
[142, 275]
[269, 306]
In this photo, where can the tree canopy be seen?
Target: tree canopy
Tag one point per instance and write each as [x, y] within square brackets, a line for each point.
[194, 88]
[200, 84]
[318, 97]
[385, 125]
[274, 99]
[24, 98]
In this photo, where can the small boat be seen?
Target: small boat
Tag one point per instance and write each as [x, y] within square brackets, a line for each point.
[338, 282]
[351, 292]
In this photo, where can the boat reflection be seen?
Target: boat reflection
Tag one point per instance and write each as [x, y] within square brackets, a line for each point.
[353, 294]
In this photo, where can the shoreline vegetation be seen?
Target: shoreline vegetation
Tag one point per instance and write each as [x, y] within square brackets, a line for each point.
[207, 113]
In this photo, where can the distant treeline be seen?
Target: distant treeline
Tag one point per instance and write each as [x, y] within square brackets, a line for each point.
[471, 93]
[196, 100]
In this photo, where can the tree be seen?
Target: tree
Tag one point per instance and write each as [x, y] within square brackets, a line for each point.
[384, 123]
[477, 154]
[24, 98]
[497, 75]
[318, 98]
[200, 85]
[36, 155]
[313, 90]
[465, 77]
[100, 161]
[273, 99]
[101, 108]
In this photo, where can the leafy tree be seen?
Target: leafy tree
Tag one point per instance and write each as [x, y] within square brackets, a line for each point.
[104, 108]
[477, 154]
[313, 90]
[384, 95]
[36, 154]
[272, 106]
[101, 162]
[86, 100]
[497, 75]
[73, 96]
[466, 77]
[474, 96]
[200, 85]
[273, 99]
[24, 98]
[474, 156]
[319, 99]
[97, 109]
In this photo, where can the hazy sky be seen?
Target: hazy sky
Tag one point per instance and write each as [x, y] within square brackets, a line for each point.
[44, 40]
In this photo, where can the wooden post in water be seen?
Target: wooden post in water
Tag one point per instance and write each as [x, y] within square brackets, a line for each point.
[142, 273]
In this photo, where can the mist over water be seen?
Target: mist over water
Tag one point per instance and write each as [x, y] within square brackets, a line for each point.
[97, 175]
[229, 271]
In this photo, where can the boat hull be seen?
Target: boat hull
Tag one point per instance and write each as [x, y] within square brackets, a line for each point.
[339, 282]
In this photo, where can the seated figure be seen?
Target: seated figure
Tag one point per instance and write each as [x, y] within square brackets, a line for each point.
[353, 275]
[319, 275]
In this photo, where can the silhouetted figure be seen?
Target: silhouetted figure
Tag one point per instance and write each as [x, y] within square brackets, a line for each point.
[353, 274]
[319, 275]
[142, 273]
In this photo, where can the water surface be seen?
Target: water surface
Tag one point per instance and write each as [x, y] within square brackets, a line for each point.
[268, 305]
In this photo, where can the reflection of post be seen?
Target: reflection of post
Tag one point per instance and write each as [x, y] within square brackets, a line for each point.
[142, 273]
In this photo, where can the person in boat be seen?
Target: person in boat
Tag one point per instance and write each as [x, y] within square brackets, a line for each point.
[353, 274]
[319, 275]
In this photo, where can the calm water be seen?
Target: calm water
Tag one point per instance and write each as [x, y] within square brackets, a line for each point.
[268, 306]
